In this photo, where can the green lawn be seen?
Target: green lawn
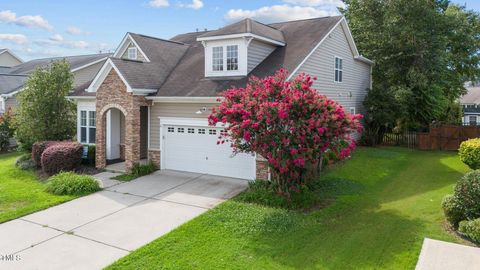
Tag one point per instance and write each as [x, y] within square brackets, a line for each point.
[387, 201]
[21, 193]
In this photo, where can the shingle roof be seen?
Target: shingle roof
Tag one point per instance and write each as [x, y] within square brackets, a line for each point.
[164, 56]
[188, 77]
[472, 96]
[75, 62]
[12, 79]
[177, 66]
[10, 83]
[248, 26]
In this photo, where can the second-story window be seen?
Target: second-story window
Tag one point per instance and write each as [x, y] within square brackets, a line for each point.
[132, 53]
[232, 57]
[217, 58]
[338, 69]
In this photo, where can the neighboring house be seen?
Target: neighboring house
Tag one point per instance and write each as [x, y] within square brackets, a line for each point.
[471, 105]
[12, 79]
[151, 99]
[8, 59]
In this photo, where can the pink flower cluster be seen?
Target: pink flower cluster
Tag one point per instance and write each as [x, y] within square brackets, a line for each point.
[288, 122]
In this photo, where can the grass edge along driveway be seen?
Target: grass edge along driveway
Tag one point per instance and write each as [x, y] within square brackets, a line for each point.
[21, 192]
[386, 201]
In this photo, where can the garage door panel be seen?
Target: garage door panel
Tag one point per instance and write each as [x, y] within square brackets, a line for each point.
[198, 152]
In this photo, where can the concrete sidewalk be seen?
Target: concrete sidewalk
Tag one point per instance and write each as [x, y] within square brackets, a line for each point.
[439, 255]
[93, 231]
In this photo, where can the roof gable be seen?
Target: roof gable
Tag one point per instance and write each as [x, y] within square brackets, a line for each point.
[246, 27]
[124, 45]
[13, 57]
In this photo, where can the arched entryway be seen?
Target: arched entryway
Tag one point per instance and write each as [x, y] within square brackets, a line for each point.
[115, 136]
[123, 136]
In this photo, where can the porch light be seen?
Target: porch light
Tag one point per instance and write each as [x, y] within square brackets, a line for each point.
[202, 110]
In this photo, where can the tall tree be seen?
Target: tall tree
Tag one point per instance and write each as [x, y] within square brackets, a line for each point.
[423, 49]
[44, 113]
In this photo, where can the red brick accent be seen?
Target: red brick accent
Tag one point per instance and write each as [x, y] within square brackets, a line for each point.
[262, 169]
[113, 94]
[154, 156]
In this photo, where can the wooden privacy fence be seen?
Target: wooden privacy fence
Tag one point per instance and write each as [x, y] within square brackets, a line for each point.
[446, 137]
[407, 139]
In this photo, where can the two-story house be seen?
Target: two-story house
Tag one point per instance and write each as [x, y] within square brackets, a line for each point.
[151, 99]
[470, 103]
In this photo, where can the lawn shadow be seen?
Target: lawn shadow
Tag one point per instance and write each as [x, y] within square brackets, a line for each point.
[363, 239]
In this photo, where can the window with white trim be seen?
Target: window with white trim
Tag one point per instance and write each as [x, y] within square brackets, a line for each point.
[472, 119]
[88, 129]
[232, 57]
[338, 69]
[352, 110]
[217, 58]
[132, 53]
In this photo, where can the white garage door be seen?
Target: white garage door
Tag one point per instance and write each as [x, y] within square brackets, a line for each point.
[195, 149]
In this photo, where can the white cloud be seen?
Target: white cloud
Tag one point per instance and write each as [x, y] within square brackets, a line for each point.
[315, 3]
[159, 3]
[7, 16]
[58, 40]
[15, 38]
[72, 30]
[196, 4]
[278, 13]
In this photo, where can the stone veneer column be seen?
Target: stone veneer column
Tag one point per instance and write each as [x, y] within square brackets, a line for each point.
[262, 168]
[154, 156]
[112, 94]
[132, 137]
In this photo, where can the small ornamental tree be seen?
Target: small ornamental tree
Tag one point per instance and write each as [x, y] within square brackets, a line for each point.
[287, 122]
[44, 114]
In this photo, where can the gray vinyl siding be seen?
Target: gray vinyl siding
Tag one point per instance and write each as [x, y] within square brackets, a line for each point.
[172, 110]
[7, 60]
[356, 74]
[11, 102]
[257, 52]
[87, 74]
[139, 54]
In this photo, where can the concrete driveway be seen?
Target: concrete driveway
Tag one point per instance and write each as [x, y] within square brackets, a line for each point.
[93, 231]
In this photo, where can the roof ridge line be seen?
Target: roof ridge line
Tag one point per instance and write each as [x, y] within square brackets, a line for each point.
[310, 19]
[157, 38]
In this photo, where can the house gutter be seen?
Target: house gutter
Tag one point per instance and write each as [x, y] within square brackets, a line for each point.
[183, 99]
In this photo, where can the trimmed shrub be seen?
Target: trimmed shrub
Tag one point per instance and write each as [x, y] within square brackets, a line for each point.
[91, 155]
[69, 183]
[37, 151]
[453, 211]
[467, 194]
[470, 153]
[25, 162]
[471, 228]
[63, 156]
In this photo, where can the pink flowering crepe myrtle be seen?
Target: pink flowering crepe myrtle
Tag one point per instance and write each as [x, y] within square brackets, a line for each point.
[287, 122]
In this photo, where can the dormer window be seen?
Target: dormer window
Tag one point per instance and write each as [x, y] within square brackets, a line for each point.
[217, 58]
[132, 53]
[232, 57]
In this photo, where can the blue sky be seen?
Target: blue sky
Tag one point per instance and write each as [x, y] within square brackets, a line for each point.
[45, 28]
